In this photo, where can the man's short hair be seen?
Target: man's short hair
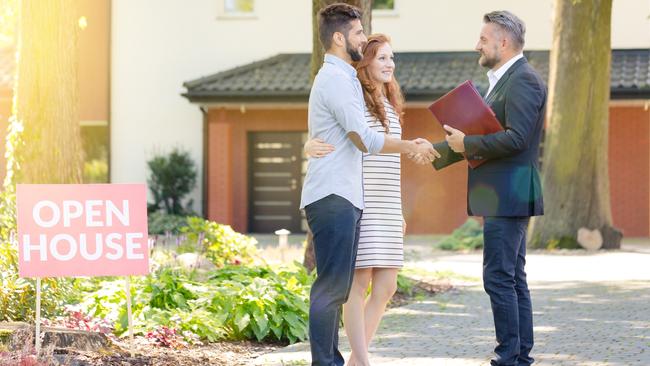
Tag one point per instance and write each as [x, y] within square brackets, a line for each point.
[510, 23]
[335, 18]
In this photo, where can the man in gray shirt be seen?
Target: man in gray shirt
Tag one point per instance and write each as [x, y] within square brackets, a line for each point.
[332, 195]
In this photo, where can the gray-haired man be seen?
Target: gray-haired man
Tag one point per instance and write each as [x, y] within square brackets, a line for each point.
[506, 190]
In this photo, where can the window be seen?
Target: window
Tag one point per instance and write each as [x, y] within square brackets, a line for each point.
[384, 8]
[238, 8]
[94, 138]
[383, 5]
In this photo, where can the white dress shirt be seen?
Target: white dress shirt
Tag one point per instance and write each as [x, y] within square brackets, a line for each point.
[494, 76]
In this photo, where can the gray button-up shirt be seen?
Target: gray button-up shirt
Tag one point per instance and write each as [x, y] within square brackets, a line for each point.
[336, 109]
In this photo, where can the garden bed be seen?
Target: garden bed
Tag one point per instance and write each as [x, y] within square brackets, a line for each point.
[231, 353]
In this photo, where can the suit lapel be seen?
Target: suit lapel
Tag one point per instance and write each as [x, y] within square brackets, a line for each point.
[504, 80]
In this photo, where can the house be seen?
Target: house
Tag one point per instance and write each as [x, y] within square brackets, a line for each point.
[232, 125]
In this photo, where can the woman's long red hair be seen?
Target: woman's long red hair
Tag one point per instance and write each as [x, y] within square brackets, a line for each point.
[372, 94]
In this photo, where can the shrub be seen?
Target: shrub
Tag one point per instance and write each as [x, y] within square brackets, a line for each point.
[18, 295]
[235, 302]
[160, 223]
[222, 244]
[468, 236]
[172, 178]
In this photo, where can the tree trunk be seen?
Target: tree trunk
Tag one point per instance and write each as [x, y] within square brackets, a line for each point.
[317, 55]
[44, 144]
[317, 49]
[575, 174]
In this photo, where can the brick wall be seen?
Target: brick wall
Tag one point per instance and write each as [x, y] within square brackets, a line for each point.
[629, 169]
[434, 202]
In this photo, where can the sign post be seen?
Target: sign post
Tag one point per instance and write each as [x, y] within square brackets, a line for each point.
[129, 315]
[38, 316]
[70, 230]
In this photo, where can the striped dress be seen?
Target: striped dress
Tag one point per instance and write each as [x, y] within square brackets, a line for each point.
[381, 239]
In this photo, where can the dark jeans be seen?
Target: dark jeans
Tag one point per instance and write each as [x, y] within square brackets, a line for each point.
[504, 279]
[334, 221]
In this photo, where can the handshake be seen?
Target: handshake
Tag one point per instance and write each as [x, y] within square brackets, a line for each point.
[455, 139]
[422, 152]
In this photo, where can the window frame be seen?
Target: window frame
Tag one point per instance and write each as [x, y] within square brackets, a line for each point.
[223, 14]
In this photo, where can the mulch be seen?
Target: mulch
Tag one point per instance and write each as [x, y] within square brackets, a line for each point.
[146, 354]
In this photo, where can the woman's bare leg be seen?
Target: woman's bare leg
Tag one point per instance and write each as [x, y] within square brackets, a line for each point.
[353, 317]
[384, 285]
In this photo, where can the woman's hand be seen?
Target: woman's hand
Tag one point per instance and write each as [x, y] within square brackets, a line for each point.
[317, 148]
[403, 226]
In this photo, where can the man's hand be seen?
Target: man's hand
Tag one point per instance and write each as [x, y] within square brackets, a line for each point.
[455, 139]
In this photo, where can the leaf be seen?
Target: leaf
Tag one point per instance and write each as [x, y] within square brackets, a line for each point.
[242, 320]
[292, 319]
[277, 331]
[179, 300]
[262, 326]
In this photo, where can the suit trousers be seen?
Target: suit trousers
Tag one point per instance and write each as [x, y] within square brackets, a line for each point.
[504, 280]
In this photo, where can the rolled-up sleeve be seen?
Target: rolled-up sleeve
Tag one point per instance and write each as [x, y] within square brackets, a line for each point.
[348, 108]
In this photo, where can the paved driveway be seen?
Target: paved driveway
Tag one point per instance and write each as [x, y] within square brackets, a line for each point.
[590, 309]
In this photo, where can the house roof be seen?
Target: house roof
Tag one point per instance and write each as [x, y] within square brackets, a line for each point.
[422, 75]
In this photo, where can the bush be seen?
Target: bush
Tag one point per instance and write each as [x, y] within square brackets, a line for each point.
[468, 236]
[221, 244]
[234, 303]
[172, 178]
[161, 223]
[18, 295]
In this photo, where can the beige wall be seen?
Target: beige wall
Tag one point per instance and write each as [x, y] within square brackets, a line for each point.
[423, 25]
[94, 60]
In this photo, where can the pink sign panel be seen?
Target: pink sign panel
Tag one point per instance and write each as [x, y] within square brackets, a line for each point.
[67, 230]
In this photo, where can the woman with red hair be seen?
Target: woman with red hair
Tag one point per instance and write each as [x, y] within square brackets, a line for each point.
[380, 253]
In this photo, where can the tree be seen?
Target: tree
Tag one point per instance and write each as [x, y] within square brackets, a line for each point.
[8, 20]
[44, 142]
[575, 174]
[317, 55]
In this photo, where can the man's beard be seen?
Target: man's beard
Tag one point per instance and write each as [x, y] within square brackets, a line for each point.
[355, 55]
[488, 62]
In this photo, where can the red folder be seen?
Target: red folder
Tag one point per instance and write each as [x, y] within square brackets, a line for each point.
[464, 109]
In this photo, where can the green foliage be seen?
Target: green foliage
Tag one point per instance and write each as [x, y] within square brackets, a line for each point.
[468, 236]
[563, 243]
[161, 223]
[405, 285]
[222, 244]
[7, 213]
[383, 5]
[235, 303]
[95, 171]
[18, 295]
[172, 178]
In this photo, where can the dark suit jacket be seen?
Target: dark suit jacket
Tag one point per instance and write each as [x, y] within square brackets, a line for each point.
[508, 184]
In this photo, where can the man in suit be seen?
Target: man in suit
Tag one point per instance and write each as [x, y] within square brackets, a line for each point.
[506, 189]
